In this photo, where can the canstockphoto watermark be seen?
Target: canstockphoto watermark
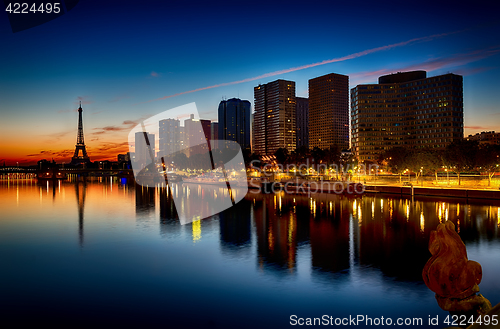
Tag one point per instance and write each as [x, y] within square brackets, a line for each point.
[303, 187]
[177, 139]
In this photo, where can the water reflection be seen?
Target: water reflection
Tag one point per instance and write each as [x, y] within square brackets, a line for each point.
[344, 237]
[276, 251]
[80, 193]
[235, 228]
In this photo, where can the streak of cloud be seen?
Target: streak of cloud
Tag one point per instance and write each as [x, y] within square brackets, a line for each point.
[328, 61]
[125, 126]
[84, 99]
[432, 65]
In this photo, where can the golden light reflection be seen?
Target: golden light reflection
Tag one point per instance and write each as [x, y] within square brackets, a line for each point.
[446, 215]
[270, 239]
[291, 229]
[354, 208]
[440, 214]
[458, 209]
[360, 215]
[498, 216]
[381, 205]
[196, 230]
[407, 212]
[422, 221]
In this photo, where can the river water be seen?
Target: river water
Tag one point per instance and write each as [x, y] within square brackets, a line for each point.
[106, 252]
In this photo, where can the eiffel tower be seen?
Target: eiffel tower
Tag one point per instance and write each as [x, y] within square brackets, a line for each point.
[80, 144]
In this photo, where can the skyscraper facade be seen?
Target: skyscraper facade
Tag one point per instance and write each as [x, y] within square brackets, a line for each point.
[274, 117]
[329, 111]
[406, 109]
[145, 152]
[234, 121]
[197, 135]
[302, 121]
[214, 135]
[170, 138]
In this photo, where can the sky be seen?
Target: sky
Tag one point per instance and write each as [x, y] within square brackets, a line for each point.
[129, 60]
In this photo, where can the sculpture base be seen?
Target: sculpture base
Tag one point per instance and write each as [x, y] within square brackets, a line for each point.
[472, 305]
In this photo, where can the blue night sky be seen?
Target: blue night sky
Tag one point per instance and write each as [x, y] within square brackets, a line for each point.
[124, 58]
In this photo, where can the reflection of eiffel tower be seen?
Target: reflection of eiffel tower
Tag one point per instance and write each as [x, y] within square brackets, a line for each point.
[80, 191]
[80, 144]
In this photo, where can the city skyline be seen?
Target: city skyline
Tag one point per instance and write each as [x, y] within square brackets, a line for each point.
[125, 72]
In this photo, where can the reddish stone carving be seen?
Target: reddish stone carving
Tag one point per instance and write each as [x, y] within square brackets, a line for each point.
[448, 272]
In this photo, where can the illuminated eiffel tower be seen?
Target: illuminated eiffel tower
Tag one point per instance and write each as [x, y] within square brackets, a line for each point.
[80, 144]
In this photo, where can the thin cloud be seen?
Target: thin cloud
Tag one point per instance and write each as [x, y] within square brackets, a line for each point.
[434, 64]
[476, 127]
[155, 74]
[53, 154]
[84, 99]
[329, 61]
[119, 98]
[126, 125]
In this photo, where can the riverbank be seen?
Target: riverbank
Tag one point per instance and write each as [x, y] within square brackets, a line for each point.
[466, 193]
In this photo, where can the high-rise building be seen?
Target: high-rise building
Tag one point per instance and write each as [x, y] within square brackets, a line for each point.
[302, 121]
[329, 111]
[234, 121]
[274, 117]
[406, 109]
[169, 132]
[214, 135]
[196, 136]
[145, 152]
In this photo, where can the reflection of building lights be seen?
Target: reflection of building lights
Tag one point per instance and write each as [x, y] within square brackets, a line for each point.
[270, 239]
[458, 209]
[498, 216]
[291, 229]
[196, 230]
[422, 221]
[440, 214]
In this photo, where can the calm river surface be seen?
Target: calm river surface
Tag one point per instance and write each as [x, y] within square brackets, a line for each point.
[110, 253]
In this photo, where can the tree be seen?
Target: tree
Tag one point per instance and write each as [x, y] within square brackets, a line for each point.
[488, 160]
[398, 160]
[332, 155]
[300, 155]
[461, 156]
[318, 156]
[423, 160]
[281, 155]
[180, 160]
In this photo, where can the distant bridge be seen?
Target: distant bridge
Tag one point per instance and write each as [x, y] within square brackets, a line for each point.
[69, 171]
